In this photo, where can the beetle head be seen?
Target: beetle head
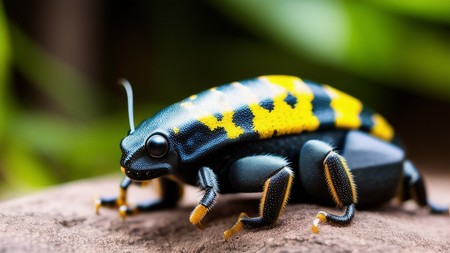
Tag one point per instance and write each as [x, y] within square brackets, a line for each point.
[147, 156]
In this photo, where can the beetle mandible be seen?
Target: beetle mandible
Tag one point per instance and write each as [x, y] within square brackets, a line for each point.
[280, 135]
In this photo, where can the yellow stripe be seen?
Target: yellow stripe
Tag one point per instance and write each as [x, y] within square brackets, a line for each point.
[346, 107]
[287, 193]
[350, 178]
[285, 197]
[263, 199]
[381, 128]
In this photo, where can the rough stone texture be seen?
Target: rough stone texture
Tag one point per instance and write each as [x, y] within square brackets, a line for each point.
[62, 219]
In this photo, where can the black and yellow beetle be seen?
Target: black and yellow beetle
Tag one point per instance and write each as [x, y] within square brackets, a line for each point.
[280, 135]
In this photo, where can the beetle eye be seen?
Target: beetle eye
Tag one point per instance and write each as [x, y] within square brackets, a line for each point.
[157, 146]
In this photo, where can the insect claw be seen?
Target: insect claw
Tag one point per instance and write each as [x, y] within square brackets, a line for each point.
[321, 217]
[236, 228]
[98, 204]
[315, 226]
[123, 212]
[200, 226]
[198, 214]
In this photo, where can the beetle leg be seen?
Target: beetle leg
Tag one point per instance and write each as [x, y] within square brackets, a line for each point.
[414, 187]
[342, 188]
[208, 182]
[273, 176]
[171, 192]
[114, 201]
[318, 158]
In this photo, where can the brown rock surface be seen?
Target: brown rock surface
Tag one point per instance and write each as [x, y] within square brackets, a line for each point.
[62, 219]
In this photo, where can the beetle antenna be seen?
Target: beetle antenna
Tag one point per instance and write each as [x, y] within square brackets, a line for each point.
[129, 90]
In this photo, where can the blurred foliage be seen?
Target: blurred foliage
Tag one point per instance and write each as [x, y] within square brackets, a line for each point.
[57, 123]
[60, 82]
[433, 10]
[4, 81]
[358, 37]
[42, 148]
[4, 71]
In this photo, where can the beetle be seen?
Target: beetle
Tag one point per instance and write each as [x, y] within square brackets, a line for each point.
[279, 135]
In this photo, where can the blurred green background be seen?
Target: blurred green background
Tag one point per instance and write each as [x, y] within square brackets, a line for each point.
[62, 114]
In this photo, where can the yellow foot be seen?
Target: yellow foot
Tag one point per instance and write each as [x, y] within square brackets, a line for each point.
[236, 228]
[197, 215]
[122, 199]
[98, 204]
[123, 212]
[321, 217]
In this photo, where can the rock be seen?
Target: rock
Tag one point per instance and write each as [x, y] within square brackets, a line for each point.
[62, 219]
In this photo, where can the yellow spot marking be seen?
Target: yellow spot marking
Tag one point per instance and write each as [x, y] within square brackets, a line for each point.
[198, 214]
[350, 178]
[283, 119]
[331, 185]
[346, 107]
[176, 130]
[381, 128]
[226, 123]
[209, 120]
[193, 97]
[263, 199]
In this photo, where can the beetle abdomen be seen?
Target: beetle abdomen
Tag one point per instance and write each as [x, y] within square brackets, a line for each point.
[266, 107]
